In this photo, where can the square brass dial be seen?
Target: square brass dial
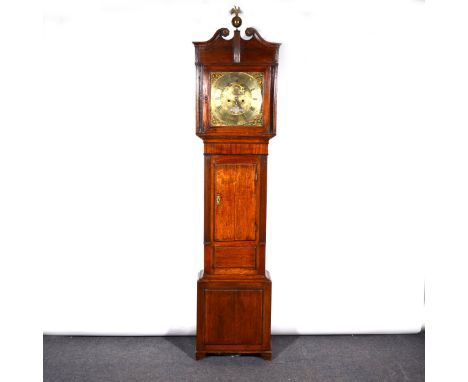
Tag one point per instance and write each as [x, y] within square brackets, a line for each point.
[236, 98]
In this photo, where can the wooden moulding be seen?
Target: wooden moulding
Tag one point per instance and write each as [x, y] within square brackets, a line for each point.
[236, 148]
[219, 50]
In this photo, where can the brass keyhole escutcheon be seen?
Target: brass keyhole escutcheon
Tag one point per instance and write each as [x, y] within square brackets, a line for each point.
[218, 199]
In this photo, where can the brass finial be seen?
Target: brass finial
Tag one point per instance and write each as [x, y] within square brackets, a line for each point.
[236, 20]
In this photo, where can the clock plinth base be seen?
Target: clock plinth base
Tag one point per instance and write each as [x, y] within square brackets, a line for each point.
[266, 355]
[233, 316]
[200, 355]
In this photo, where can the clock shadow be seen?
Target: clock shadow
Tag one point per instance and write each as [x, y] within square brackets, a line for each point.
[186, 344]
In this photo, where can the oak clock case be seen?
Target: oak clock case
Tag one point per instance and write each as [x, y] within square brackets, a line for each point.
[235, 117]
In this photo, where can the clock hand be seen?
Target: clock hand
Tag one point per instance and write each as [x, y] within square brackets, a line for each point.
[236, 99]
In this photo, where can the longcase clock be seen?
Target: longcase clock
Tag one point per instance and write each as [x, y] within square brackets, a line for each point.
[236, 118]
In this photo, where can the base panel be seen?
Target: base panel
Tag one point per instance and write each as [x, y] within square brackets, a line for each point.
[234, 317]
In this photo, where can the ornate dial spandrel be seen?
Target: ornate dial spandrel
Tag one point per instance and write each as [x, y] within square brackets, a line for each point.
[236, 98]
